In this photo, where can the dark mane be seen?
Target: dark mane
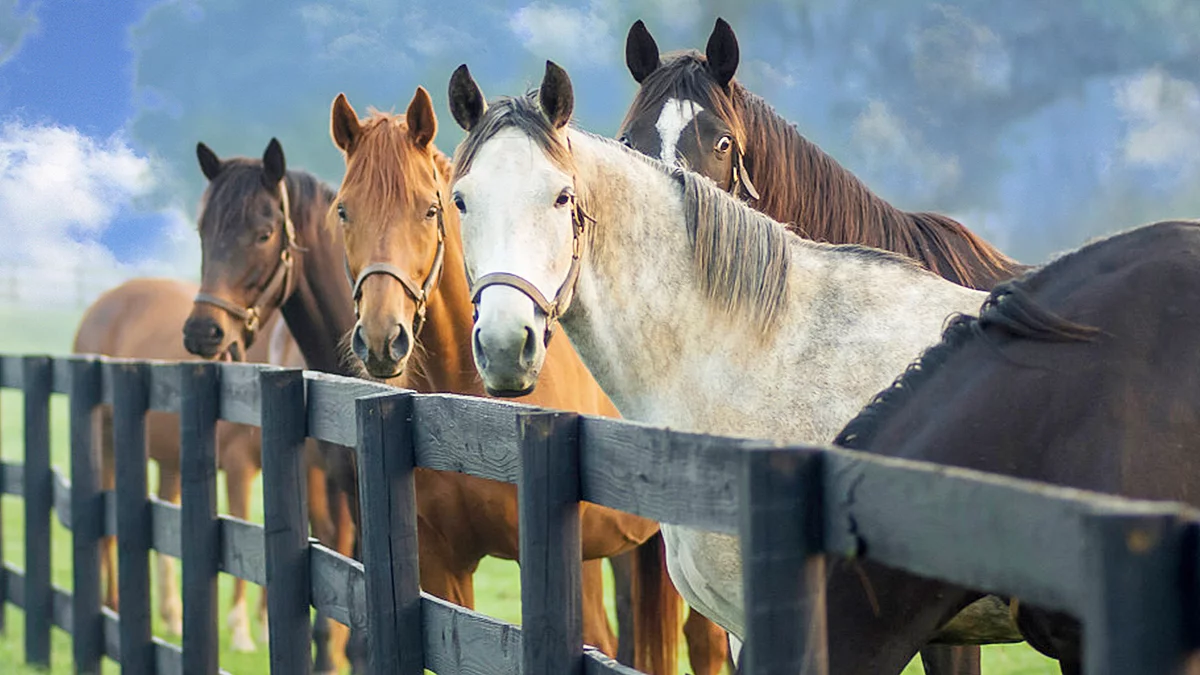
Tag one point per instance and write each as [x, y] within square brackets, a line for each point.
[1009, 309]
[807, 189]
[227, 198]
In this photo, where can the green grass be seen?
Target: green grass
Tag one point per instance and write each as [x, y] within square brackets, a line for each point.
[496, 583]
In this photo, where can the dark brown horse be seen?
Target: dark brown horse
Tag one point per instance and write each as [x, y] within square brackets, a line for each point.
[690, 106]
[264, 249]
[1081, 374]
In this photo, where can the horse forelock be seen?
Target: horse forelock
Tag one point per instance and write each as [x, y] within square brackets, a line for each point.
[514, 112]
[683, 76]
[229, 199]
[387, 167]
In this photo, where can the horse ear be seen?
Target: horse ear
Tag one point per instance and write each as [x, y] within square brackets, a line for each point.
[467, 104]
[422, 122]
[274, 166]
[210, 164]
[343, 123]
[722, 53]
[556, 95]
[641, 52]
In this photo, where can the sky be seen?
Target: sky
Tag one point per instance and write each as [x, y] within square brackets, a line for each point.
[1039, 125]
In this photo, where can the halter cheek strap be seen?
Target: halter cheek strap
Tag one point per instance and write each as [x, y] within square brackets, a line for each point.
[419, 294]
[741, 177]
[553, 309]
[277, 286]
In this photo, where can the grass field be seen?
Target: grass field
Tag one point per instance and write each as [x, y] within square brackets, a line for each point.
[497, 590]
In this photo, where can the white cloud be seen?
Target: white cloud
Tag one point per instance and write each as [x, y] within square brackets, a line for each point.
[15, 25]
[60, 190]
[889, 146]
[556, 31]
[1163, 114]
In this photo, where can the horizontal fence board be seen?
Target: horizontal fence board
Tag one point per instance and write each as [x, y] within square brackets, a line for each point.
[330, 400]
[165, 385]
[11, 375]
[166, 526]
[111, 625]
[992, 533]
[62, 614]
[338, 588]
[667, 476]
[242, 552]
[597, 663]
[462, 642]
[12, 478]
[60, 374]
[468, 435]
[240, 393]
[14, 585]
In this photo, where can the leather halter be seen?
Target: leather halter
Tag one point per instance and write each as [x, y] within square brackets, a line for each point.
[741, 177]
[553, 309]
[419, 294]
[277, 285]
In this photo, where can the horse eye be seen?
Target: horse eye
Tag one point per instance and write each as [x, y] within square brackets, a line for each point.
[264, 237]
[341, 211]
[625, 141]
[459, 204]
[431, 213]
[724, 143]
[564, 198]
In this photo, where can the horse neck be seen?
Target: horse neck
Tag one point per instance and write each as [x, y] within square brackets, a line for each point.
[443, 360]
[319, 311]
[638, 302]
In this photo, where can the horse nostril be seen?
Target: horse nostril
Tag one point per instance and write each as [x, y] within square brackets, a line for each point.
[359, 344]
[399, 344]
[215, 332]
[477, 346]
[529, 351]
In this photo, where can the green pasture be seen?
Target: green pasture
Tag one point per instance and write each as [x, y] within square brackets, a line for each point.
[497, 589]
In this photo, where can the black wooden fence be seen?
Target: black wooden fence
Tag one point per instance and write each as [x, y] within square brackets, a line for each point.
[1124, 567]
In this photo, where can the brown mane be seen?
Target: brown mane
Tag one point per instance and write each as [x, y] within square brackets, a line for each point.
[820, 199]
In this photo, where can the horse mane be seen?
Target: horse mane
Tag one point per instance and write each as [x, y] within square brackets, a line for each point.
[1009, 308]
[226, 199]
[812, 193]
[383, 157]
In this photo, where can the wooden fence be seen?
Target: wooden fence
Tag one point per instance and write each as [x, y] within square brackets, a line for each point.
[1124, 567]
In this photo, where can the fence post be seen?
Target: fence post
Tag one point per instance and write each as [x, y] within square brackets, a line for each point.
[1135, 617]
[39, 498]
[387, 494]
[285, 513]
[783, 566]
[201, 541]
[131, 399]
[551, 602]
[87, 517]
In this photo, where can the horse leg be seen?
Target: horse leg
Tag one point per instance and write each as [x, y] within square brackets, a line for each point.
[170, 607]
[949, 660]
[596, 629]
[622, 571]
[239, 477]
[708, 646]
[320, 519]
[102, 437]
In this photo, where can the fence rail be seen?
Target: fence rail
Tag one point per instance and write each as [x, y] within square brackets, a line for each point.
[1057, 548]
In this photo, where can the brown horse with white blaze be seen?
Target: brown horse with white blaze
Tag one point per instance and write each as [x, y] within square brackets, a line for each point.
[415, 323]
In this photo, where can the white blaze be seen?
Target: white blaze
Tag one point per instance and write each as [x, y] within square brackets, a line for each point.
[673, 119]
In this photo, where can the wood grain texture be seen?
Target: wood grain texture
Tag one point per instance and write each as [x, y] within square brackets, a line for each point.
[39, 499]
[462, 642]
[331, 406]
[387, 491]
[131, 385]
[87, 508]
[201, 547]
[338, 588]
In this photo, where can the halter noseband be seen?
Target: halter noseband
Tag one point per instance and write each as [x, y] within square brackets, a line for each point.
[419, 295]
[277, 285]
[553, 309]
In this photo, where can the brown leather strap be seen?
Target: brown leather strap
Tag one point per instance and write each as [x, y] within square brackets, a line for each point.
[278, 286]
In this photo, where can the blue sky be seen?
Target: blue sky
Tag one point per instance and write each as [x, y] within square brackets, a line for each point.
[1037, 124]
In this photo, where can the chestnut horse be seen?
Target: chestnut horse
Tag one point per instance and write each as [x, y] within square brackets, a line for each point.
[415, 323]
[689, 110]
[142, 318]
